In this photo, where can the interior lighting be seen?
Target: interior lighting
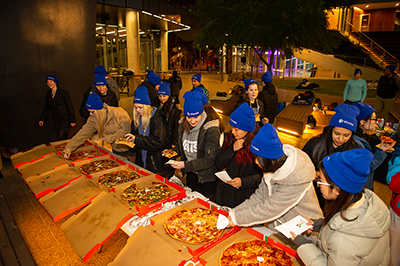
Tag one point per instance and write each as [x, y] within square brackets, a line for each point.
[218, 111]
[397, 4]
[110, 32]
[122, 30]
[288, 131]
[366, 6]
[124, 35]
[147, 13]
[157, 16]
[99, 28]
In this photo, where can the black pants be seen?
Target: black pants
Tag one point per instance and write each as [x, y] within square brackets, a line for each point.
[207, 188]
[62, 134]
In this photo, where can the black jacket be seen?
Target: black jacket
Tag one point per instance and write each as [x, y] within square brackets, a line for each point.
[154, 143]
[110, 99]
[261, 110]
[61, 109]
[173, 123]
[388, 87]
[225, 194]
[151, 90]
[176, 85]
[269, 98]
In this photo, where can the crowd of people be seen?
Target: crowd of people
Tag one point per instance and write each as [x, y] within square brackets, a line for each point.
[329, 182]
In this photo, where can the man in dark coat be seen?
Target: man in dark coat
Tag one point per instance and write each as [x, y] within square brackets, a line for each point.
[387, 91]
[268, 97]
[152, 84]
[176, 85]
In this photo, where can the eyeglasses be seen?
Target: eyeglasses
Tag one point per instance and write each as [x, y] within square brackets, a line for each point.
[92, 112]
[322, 183]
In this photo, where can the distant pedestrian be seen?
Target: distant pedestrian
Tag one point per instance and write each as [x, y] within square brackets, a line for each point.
[176, 85]
[196, 82]
[356, 89]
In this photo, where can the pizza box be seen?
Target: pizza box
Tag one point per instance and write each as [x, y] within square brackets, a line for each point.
[76, 195]
[52, 180]
[78, 164]
[211, 256]
[55, 143]
[102, 152]
[177, 192]
[36, 153]
[89, 230]
[40, 166]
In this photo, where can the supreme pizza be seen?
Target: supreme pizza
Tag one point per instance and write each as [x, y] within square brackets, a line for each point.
[114, 178]
[254, 252]
[124, 142]
[193, 226]
[60, 147]
[145, 196]
[81, 155]
[387, 139]
[169, 153]
[97, 166]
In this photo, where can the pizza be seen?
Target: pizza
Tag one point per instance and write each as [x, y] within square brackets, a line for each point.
[60, 147]
[114, 178]
[193, 226]
[80, 155]
[145, 196]
[387, 139]
[257, 116]
[254, 252]
[169, 153]
[97, 166]
[124, 142]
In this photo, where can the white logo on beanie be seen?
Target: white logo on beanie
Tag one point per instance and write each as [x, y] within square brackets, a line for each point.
[341, 121]
[257, 149]
[233, 121]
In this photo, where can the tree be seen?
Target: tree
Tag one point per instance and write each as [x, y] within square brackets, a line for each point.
[282, 25]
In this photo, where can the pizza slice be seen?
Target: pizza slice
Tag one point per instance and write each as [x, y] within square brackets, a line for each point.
[125, 142]
[387, 139]
[169, 153]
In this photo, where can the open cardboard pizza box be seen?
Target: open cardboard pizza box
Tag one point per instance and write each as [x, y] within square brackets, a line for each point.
[37, 152]
[111, 157]
[52, 180]
[141, 246]
[56, 145]
[177, 192]
[89, 230]
[40, 166]
[76, 195]
[85, 153]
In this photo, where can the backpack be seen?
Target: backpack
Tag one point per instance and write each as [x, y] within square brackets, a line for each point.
[304, 98]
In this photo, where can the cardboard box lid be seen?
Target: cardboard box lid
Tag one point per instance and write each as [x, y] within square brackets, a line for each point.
[89, 230]
[40, 166]
[37, 152]
[52, 180]
[68, 199]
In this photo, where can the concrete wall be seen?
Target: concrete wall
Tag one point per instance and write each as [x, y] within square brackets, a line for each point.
[40, 38]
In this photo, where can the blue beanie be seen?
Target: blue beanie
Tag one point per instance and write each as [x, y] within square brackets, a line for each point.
[204, 99]
[391, 68]
[164, 89]
[267, 143]
[349, 170]
[193, 106]
[153, 78]
[94, 102]
[267, 77]
[100, 80]
[345, 117]
[247, 83]
[174, 73]
[197, 77]
[357, 71]
[100, 70]
[365, 110]
[243, 118]
[53, 78]
[141, 96]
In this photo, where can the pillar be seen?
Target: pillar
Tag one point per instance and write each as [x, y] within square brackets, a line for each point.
[164, 45]
[133, 48]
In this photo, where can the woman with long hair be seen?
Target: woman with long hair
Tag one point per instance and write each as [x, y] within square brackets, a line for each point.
[336, 137]
[171, 112]
[109, 122]
[286, 190]
[235, 157]
[355, 228]
[148, 133]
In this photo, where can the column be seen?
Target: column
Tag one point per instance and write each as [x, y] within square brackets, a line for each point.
[133, 47]
[164, 45]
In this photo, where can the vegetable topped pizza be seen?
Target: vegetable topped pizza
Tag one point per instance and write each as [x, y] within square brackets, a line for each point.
[145, 196]
[114, 178]
[387, 139]
[60, 147]
[97, 166]
[124, 142]
[169, 153]
[81, 155]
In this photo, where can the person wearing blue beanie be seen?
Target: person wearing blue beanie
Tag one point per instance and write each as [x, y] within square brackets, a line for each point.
[267, 76]
[336, 137]
[141, 96]
[196, 82]
[153, 78]
[204, 98]
[367, 122]
[152, 85]
[100, 80]
[355, 89]
[355, 229]
[174, 73]
[198, 143]
[100, 70]
[111, 84]
[209, 109]
[164, 89]
[387, 91]
[286, 188]
[176, 85]
[59, 104]
[268, 97]
[94, 102]
[235, 157]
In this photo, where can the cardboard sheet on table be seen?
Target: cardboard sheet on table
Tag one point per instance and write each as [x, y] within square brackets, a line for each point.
[52, 180]
[43, 165]
[24, 157]
[88, 230]
[66, 200]
[211, 257]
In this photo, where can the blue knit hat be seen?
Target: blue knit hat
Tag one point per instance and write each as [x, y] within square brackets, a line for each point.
[153, 78]
[243, 118]
[365, 110]
[345, 117]
[142, 96]
[100, 80]
[204, 99]
[53, 78]
[100, 70]
[193, 106]
[164, 89]
[391, 68]
[349, 170]
[247, 82]
[267, 143]
[267, 77]
[197, 77]
[174, 73]
[94, 102]
[357, 71]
